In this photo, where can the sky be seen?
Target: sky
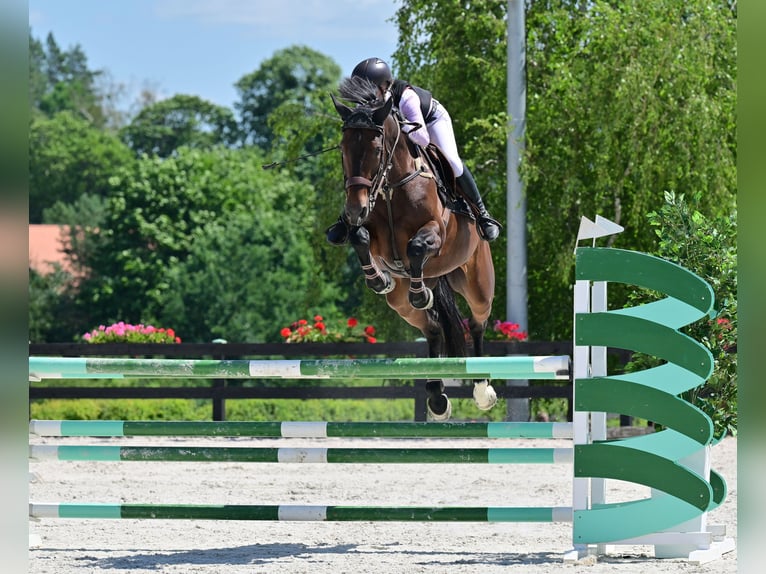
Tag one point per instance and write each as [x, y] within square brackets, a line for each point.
[203, 47]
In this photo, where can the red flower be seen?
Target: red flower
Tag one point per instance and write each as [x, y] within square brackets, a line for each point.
[286, 332]
[303, 322]
[371, 339]
[369, 330]
[352, 322]
[319, 326]
[318, 318]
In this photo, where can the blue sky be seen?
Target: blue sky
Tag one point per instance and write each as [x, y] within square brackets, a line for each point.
[202, 47]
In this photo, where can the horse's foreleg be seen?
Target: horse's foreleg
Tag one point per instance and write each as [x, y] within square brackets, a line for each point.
[426, 242]
[379, 281]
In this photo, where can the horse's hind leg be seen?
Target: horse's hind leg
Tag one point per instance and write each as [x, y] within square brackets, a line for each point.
[476, 283]
[379, 281]
[484, 395]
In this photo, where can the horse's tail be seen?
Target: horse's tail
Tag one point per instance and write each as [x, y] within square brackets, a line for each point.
[450, 319]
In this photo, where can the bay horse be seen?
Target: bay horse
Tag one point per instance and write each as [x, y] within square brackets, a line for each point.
[411, 247]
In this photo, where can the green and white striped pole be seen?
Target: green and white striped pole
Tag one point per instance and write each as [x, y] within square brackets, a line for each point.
[302, 455]
[299, 429]
[547, 367]
[299, 513]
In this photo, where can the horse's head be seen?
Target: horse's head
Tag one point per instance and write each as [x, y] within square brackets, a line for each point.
[366, 154]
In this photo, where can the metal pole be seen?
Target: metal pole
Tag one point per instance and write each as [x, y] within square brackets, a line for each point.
[516, 206]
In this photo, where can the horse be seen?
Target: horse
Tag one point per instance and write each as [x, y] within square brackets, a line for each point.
[411, 247]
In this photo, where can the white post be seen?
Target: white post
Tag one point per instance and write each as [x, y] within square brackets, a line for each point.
[580, 419]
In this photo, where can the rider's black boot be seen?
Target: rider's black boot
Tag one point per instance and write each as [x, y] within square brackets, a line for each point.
[337, 233]
[489, 228]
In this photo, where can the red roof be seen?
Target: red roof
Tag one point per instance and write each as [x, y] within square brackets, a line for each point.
[46, 246]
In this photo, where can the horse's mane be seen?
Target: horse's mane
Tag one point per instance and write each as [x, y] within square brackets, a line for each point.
[358, 90]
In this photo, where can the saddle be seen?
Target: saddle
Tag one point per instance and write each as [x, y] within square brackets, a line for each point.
[446, 185]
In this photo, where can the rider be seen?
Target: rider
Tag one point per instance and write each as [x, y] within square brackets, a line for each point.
[435, 125]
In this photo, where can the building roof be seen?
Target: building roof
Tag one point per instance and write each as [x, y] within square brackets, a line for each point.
[46, 247]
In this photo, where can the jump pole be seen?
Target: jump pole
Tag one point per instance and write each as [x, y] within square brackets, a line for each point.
[543, 367]
[303, 455]
[298, 429]
[301, 513]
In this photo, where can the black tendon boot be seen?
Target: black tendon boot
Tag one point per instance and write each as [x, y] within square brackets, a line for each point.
[337, 233]
[489, 228]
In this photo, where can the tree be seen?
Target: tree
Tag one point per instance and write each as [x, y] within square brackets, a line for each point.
[156, 211]
[69, 158]
[245, 277]
[60, 80]
[163, 127]
[290, 75]
[53, 311]
[625, 100]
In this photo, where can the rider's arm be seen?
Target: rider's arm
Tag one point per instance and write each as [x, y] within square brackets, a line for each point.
[409, 105]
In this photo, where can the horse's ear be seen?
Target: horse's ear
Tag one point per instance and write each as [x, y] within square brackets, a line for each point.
[343, 109]
[379, 116]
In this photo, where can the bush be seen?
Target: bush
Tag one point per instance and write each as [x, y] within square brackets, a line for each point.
[706, 247]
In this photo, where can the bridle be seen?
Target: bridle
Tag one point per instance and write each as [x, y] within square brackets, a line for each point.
[362, 120]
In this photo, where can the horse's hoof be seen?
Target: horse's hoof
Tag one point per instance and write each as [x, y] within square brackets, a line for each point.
[444, 408]
[429, 300]
[484, 395]
[388, 286]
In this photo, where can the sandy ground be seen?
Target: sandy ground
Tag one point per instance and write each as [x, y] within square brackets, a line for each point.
[215, 547]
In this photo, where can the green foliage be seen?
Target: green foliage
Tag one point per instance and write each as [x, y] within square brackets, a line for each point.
[163, 127]
[120, 409]
[295, 75]
[335, 410]
[246, 276]
[706, 246]
[60, 80]
[69, 158]
[52, 307]
[155, 213]
[625, 100]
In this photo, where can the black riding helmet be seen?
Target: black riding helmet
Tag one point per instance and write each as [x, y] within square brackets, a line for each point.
[375, 70]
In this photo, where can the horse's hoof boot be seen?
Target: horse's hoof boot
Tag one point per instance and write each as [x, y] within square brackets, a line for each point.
[484, 395]
[441, 416]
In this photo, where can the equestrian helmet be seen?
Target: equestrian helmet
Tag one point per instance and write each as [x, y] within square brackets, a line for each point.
[375, 70]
